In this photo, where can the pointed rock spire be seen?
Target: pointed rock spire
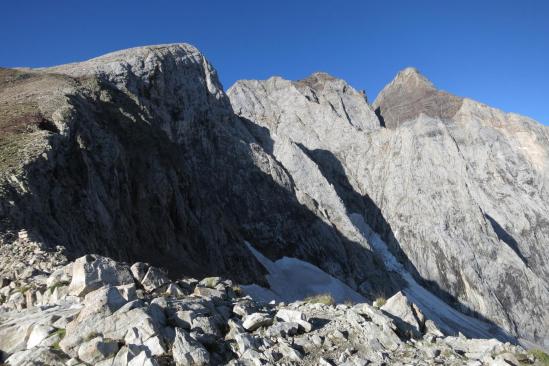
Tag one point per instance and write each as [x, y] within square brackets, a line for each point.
[408, 95]
[412, 78]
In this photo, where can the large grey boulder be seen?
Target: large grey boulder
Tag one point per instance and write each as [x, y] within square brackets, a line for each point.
[38, 333]
[115, 327]
[407, 315]
[104, 301]
[16, 328]
[97, 349]
[294, 316]
[139, 270]
[91, 272]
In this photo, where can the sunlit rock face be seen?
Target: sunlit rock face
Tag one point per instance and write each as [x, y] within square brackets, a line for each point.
[458, 190]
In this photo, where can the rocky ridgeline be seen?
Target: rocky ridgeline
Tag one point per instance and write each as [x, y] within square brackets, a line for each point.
[140, 156]
[96, 311]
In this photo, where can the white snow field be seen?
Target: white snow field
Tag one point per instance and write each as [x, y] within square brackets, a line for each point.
[292, 279]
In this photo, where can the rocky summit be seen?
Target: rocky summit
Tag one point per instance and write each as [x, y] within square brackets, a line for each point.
[149, 218]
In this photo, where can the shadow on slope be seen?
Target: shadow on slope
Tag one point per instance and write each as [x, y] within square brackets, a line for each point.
[334, 172]
[505, 237]
[116, 185]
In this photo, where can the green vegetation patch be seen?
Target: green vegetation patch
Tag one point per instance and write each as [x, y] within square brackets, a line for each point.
[23, 289]
[380, 301]
[325, 299]
[61, 332]
[541, 356]
[12, 147]
[56, 285]
[20, 116]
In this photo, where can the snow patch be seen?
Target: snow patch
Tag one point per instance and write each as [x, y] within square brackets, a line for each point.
[291, 279]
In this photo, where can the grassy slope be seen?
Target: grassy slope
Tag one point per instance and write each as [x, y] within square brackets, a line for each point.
[22, 122]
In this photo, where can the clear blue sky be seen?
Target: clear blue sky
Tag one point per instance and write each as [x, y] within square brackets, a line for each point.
[494, 51]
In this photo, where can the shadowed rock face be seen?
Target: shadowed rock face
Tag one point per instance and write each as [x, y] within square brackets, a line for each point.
[456, 189]
[147, 162]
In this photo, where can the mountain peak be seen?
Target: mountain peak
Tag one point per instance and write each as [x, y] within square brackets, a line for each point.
[319, 80]
[421, 96]
[412, 78]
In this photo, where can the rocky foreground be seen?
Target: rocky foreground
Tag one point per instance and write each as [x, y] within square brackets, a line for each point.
[96, 311]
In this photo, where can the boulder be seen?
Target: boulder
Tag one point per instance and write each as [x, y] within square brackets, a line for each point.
[210, 282]
[294, 316]
[143, 359]
[97, 349]
[174, 291]
[104, 301]
[289, 352]
[154, 279]
[139, 270]
[256, 320]
[407, 315]
[37, 356]
[60, 276]
[188, 352]
[245, 342]
[92, 272]
[38, 334]
[113, 327]
[209, 293]
[283, 329]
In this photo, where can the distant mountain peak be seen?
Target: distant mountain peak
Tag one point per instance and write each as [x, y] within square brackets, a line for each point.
[412, 78]
[319, 80]
[410, 94]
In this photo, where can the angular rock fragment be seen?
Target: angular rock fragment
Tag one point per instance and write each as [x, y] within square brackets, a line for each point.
[256, 320]
[188, 352]
[92, 272]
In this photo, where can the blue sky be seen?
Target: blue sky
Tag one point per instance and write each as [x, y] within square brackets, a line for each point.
[496, 52]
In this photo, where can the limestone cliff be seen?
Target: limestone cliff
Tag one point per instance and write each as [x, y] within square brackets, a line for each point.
[456, 189]
[140, 155]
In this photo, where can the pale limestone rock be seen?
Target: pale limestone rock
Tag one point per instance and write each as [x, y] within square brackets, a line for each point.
[411, 318]
[142, 359]
[38, 356]
[153, 279]
[38, 334]
[294, 316]
[256, 320]
[462, 228]
[175, 291]
[104, 301]
[188, 352]
[92, 272]
[97, 349]
[139, 270]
